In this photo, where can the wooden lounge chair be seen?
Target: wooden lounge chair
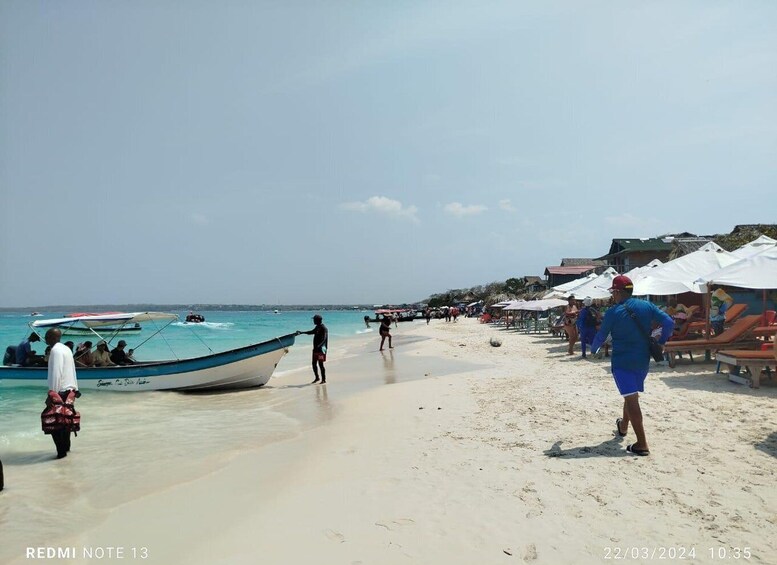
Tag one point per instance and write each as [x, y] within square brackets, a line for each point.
[740, 330]
[754, 362]
[732, 315]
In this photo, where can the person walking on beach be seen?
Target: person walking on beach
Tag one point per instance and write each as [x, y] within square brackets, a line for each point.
[320, 344]
[629, 322]
[570, 323]
[587, 320]
[385, 332]
[60, 417]
[427, 315]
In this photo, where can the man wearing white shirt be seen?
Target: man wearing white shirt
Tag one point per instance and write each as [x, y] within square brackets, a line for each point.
[61, 381]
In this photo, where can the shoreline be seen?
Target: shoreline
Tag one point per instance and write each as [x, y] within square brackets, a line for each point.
[513, 456]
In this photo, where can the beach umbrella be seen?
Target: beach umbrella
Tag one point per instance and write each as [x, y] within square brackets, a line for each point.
[755, 247]
[596, 288]
[680, 275]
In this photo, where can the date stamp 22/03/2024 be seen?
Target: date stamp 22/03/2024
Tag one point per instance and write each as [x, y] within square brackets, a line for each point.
[676, 553]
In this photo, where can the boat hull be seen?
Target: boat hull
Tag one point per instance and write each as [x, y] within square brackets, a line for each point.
[245, 367]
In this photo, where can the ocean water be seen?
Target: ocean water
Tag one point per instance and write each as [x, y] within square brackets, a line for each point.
[134, 443]
[222, 331]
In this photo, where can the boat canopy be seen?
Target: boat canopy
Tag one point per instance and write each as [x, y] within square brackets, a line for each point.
[105, 319]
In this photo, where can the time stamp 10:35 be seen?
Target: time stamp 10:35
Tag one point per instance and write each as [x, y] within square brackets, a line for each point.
[680, 553]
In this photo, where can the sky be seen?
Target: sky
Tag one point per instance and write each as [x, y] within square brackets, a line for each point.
[286, 152]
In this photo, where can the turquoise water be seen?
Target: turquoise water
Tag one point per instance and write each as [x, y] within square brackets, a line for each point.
[135, 443]
[221, 332]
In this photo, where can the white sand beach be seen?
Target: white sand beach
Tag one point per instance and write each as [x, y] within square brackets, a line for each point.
[474, 454]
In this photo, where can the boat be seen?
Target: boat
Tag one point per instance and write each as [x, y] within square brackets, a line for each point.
[193, 318]
[244, 367]
[398, 314]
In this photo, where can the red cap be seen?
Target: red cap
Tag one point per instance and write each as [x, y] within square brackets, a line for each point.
[621, 282]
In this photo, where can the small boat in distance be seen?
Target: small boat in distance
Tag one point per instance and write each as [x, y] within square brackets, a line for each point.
[36, 314]
[398, 314]
[244, 367]
[193, 318]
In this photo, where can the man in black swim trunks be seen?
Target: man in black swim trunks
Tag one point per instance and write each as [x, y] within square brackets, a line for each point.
[320, 343]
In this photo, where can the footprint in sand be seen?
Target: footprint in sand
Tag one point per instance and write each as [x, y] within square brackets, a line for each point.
[334, 536]
[392, 525]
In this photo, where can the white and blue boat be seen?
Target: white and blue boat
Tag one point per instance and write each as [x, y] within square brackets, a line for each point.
[244, 367]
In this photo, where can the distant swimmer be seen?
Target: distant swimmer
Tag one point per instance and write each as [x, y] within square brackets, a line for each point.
[320, 335]
[367, 321]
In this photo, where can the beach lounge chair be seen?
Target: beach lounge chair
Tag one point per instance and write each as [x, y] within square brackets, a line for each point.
[732, 315]
[739, 331]
[754, 362]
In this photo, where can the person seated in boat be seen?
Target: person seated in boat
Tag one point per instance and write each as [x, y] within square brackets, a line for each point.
[131, 356]
[25, 356]
[119, 356]
[83, 356]
[102, 357]
[70, 345]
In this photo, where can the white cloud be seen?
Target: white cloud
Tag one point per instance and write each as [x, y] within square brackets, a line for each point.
[505, 204]
[459, 210]
[199, 219]
[383, 205]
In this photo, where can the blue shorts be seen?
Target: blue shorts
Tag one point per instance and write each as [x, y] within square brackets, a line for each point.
[629, 382]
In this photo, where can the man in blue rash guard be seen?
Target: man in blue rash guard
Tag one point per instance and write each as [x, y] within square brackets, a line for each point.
[630, 352]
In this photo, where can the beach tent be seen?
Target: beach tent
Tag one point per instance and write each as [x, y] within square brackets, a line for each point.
[514, 305]
[757, 271]
[755, 247]
[638, 273]
[596, 288]
[537, 305]
[559, 290]
[681, 275]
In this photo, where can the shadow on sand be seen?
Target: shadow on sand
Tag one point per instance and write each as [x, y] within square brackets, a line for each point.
[768, 445]
[610, 448]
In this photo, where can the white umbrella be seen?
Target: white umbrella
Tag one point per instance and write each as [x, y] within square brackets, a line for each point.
[597, 288]
[680, 275]
[755, 247]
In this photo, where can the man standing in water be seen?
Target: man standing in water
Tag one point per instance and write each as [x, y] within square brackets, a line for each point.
[60, 416]
[629, 322]
[320, 343]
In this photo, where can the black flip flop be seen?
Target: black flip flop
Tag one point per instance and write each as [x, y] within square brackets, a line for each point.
[637, 451]
[618, 427]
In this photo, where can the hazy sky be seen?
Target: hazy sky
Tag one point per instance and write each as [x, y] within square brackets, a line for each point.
[367, 152]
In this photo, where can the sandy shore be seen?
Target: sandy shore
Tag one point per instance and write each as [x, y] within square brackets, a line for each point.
[477, 454]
